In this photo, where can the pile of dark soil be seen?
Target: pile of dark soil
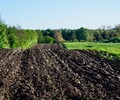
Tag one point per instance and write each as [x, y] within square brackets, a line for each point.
[57, 74]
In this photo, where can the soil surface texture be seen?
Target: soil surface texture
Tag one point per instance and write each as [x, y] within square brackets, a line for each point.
[49, 73]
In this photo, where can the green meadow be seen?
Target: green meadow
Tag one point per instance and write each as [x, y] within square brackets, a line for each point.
[113, 48]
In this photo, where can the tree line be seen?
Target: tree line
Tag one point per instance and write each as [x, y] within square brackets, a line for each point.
[13, 37]
[83, 34]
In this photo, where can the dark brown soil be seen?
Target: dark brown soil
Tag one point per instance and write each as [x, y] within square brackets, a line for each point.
[57, 74]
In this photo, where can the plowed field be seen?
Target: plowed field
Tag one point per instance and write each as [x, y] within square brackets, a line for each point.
[49, 73]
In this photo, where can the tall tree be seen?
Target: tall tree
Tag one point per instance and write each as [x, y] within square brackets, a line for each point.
[3, 38]
[12, 38]
[82, 34]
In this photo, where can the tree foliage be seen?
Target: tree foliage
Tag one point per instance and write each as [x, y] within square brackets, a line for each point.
[3, 37]
[16, 37]
[48, 39]
[12, 38]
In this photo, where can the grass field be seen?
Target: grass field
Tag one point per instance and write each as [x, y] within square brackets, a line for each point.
[109, 47]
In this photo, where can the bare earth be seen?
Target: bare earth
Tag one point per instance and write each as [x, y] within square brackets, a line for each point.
[46, 72]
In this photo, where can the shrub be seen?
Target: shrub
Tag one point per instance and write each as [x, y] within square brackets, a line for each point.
[48, 39]
[3, 37]
[115, 40]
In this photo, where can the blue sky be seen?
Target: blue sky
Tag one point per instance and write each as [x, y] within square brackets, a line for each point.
[55, 14]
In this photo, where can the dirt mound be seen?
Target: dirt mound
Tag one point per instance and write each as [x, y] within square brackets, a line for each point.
[57, 74]
[48, 46]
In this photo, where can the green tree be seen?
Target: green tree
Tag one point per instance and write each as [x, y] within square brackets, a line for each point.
[12, 38]
[82, 34]
[3, 38]
[48, 39]
[40, 36]
[73, 36]
[27, 38]
[65, 33]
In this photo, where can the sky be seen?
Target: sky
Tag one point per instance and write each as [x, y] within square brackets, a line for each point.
[57, 14]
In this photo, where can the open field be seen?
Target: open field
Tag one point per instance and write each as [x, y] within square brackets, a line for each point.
[109, 47]
[42, 73]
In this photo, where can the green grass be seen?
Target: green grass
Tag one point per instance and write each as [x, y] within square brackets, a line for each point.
[113, 48]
